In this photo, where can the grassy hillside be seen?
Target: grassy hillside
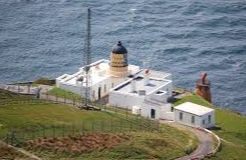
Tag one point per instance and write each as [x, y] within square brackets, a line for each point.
[231, 127]
[25, 114]
[63, 93]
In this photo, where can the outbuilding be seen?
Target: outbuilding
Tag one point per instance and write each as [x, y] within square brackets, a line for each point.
[194, 115]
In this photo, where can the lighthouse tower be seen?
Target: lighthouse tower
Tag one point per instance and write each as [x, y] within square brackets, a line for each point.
[118, 61]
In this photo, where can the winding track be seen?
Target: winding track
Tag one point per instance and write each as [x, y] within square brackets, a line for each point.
[205, 139]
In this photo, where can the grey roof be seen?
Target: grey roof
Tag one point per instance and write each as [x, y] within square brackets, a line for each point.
[119, 49]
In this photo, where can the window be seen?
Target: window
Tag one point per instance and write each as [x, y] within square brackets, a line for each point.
[209, 118]
[180, 116]
[152, 113]
[203, 121]
[105, 88]
[192, 119]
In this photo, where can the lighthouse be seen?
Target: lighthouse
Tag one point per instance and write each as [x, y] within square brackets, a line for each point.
[118, 61]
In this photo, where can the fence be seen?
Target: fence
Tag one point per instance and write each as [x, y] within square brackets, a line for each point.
[123, 121]
[19, 137]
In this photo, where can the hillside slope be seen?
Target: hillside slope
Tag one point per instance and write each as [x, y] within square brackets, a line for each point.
[29, 116]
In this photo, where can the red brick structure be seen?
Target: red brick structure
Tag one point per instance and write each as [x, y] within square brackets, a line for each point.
[203, 88]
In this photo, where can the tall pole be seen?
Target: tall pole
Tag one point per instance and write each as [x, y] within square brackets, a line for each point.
[88, 58]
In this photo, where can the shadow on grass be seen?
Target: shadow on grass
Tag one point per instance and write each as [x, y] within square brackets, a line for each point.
[215, 128]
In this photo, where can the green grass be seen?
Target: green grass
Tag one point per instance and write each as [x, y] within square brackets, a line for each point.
[231, 127]
[21, 113]
[44, 81]
[73, 96]
[63, 93]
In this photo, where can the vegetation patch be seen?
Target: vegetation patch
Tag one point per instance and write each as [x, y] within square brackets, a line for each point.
[78, 144]
[64, 94]
[7, 152]
[45, 81]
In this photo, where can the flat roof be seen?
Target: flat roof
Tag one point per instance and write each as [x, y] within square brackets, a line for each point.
[156, 74]
[153, 85]
[99, 71]
[193, 108]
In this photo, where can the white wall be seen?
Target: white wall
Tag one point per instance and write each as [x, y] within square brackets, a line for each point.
[125, 100]
[146, 111]
[168, 116]
[198, 119]
[95, 88]
[205, 118]
[81, 90]
[187, 119]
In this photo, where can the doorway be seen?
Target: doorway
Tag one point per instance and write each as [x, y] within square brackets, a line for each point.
[152, 113]
[99, 92]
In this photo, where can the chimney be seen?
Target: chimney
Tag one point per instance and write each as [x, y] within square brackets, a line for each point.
[133, 86]
[146, 77]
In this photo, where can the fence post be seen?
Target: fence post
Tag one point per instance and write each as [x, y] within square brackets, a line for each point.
[54, 132]
[83, 127]
[7, 138]
[64, 98]
[120, 125]
[158, 125]
[18, 88]
[92, 126]
[102, 127]
[33, 136]
[46, 93]
[43, 131]
[56, 98]
[111, 123]
[12, 138]
[127, 112]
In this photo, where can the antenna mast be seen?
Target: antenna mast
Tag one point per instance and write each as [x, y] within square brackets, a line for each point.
[87, 58]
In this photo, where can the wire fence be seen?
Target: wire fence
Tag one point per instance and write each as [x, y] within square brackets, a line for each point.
[123, 120]
[19, 137]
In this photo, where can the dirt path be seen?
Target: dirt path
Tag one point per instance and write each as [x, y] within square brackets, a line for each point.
[14, 151]
[205, 139]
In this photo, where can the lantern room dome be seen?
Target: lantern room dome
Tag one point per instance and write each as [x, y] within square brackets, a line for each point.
[119, 48]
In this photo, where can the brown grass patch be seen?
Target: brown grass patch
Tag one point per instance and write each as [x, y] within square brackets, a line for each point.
[7, 152]
[79, 143]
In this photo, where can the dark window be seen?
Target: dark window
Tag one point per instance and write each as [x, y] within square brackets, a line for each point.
[192, 119]
[180, 116]
[203, 121]
[99, 92]
[209, 118]
[152, 113]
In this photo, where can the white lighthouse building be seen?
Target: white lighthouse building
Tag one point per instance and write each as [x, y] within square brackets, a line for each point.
[128, 86]
[103, 75]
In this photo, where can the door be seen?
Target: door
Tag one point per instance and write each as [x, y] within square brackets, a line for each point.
[152, 113]
[99, 92]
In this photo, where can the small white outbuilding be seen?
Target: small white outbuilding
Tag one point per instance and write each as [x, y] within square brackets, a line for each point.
[194, 115]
